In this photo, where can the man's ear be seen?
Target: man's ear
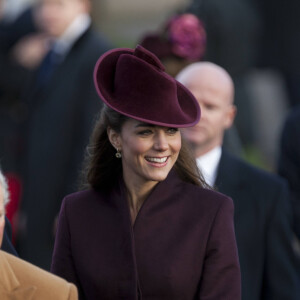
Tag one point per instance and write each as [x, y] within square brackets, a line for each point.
[114, 138]
[230, 116]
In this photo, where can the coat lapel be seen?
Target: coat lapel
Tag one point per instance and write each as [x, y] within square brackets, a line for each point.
[158, 197]
[10, 287]
[118, 199]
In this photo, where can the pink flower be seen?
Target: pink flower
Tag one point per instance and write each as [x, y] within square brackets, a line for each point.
[187, 36]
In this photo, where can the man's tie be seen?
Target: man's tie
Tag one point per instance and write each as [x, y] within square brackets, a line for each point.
[46, 68]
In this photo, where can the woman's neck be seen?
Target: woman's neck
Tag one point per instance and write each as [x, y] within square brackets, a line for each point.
[136, 195]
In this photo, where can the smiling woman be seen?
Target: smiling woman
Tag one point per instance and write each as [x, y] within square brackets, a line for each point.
[148, 226]
[149, 152]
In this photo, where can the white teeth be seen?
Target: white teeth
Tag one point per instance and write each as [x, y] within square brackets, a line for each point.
[157, 160]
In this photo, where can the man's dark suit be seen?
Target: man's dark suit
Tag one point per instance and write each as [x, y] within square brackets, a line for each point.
[6, 242]
[61, 115]
[263, 230]
[289, 161]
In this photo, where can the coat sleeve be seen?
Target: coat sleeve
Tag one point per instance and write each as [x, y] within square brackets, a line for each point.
[62, 260]
[221, 270]
[281, 280]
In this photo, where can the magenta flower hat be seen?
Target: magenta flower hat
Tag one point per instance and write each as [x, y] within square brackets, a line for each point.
[134, 83]
[187, 36]
[183, 36]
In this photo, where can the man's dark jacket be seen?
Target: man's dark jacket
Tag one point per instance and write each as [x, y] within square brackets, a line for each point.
[263, 230]
[61, 114]
[289, 161]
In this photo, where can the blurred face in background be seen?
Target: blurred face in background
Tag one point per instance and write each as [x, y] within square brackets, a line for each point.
[54, 16]
[213, 89]
[2, 215]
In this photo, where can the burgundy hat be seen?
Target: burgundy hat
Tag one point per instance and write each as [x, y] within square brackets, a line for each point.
[133, 83]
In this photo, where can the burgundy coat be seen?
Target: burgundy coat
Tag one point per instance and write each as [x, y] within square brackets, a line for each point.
[182, 245]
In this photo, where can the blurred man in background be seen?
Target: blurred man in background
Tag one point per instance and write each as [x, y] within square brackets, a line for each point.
[262, 212]
[62, 105]
[289, 161]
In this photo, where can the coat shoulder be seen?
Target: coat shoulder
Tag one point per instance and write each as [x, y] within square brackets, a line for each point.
[253, 175]
[204, 197]
[251, 187]
[82, 196]
[47, 285]
[86, 200]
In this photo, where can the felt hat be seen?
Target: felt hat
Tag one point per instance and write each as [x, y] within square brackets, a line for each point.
[133, 83]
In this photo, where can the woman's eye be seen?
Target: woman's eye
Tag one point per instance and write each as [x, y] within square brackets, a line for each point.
[145, 132]
[172, 130]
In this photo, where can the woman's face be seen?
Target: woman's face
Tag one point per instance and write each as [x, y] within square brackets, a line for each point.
[148, 152]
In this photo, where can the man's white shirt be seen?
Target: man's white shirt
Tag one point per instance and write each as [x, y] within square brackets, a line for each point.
[64, 43]
[208, 164]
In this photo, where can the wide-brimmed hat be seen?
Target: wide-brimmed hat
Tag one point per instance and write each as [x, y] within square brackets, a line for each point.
[133, 83]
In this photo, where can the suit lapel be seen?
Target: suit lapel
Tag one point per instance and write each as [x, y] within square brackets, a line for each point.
[228, 179]
[230, 182]
[10, 287]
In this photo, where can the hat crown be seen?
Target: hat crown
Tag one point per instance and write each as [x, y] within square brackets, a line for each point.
[149, 57]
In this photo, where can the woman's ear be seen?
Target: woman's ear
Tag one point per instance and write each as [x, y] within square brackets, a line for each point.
[114, 138]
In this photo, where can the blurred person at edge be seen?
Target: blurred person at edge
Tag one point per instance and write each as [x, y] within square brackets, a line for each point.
[5, 227]
[262, 210]
[147, 226]
[289, 161]
[21, 280]
[62, 103]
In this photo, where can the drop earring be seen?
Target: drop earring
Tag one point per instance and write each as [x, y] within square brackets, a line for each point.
[118, 154]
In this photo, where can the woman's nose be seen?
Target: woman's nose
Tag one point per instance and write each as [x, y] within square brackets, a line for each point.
[160, 141]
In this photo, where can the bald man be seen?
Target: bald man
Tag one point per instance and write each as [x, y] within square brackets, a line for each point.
[262, 212]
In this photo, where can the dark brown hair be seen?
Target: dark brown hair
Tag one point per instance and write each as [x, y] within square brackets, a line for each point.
[102, 168]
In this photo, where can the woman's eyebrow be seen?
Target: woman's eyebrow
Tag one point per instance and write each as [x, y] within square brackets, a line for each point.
[144, 125]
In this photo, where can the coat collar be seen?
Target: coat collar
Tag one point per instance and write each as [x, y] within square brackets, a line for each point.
[10, 287]
[157, 200]
[161, 192]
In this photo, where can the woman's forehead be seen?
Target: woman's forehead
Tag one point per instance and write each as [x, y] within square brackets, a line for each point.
[136, 124]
